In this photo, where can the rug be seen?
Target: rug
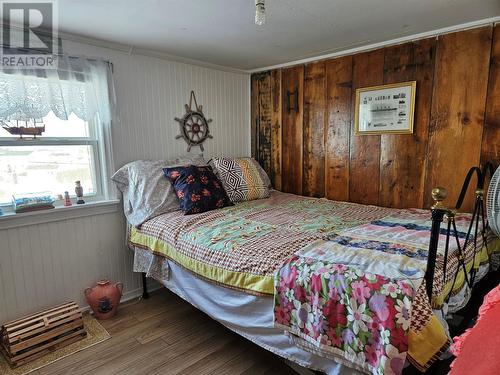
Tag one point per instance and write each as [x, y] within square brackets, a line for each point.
[96, 334]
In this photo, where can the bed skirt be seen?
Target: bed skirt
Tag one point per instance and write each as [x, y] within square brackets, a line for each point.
[248, 315]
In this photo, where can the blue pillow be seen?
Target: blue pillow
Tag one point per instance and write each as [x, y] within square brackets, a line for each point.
[197, 188]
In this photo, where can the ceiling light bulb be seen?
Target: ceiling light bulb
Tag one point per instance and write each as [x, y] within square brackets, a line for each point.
[260, 12]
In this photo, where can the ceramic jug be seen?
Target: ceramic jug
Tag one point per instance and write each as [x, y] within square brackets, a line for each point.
[104, 298]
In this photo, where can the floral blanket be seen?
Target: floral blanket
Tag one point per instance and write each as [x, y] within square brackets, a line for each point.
[358, 295]
[351, 307]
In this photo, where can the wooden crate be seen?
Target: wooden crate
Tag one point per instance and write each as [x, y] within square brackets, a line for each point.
[33, 336]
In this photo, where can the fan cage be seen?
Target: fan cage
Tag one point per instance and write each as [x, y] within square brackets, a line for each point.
[493, 203]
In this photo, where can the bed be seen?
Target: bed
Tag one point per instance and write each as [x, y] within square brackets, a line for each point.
[237, 265]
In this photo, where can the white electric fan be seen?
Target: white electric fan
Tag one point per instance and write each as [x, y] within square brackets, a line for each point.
[493, 203]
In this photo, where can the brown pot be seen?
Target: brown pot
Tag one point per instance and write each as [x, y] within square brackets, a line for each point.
[104, 298]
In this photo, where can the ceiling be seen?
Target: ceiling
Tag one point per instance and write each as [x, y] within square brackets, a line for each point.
[223, 32]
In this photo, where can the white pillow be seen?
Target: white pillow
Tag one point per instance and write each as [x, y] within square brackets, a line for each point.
[146, 191]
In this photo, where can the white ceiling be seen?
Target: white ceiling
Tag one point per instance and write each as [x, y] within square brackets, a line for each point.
[223, 31]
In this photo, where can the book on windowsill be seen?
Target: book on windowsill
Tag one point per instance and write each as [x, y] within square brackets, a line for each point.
[32, 202]
[34, 208]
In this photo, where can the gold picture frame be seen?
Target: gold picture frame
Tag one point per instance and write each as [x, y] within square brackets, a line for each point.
[385, 109]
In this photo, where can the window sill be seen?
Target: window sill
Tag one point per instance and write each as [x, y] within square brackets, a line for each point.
[13, 220]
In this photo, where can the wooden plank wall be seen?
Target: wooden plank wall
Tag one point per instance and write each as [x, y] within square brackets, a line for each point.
[313, 150]
[458, 107]
[364, 178]
[292, 131]
[339, 103]
[402, 175]
[313, 171]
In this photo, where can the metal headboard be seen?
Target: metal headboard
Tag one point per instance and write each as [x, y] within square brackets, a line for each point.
[439, 211]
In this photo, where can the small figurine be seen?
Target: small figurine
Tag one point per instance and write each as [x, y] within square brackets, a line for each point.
[67, 199]
[79, 193]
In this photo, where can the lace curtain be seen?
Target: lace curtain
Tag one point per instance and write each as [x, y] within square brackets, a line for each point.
[79, 85]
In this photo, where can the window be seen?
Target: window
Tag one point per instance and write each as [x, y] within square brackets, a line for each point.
[70, 108]
[69, 150]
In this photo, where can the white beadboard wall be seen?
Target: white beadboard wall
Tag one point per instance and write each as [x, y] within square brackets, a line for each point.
[45, 264]
[151, 92]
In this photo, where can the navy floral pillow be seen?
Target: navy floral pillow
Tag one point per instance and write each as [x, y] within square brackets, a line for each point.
[197, 188]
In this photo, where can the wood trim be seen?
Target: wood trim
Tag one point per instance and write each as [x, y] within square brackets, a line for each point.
[254, 113]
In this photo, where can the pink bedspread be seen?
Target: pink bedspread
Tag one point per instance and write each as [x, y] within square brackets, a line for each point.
[478, 348]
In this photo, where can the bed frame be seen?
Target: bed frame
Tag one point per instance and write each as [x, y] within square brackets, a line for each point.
[438, 212]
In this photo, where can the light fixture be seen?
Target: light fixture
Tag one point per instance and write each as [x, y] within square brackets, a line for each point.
[260, 12]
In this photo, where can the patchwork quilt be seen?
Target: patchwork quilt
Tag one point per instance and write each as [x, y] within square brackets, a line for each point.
[246, 245]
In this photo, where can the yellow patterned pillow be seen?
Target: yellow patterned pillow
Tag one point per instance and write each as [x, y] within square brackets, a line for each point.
[242, 178]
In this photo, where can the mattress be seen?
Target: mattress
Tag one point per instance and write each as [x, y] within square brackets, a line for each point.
[241, 247]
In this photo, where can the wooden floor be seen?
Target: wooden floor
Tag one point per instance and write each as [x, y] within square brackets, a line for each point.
[166, 335]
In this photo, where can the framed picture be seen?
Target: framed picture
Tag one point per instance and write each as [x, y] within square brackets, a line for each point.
[385, 109]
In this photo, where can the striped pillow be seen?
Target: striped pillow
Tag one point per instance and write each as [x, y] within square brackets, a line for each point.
[242, 178]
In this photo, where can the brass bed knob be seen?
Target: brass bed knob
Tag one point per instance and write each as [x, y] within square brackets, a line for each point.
[439, 194]
[479, 193]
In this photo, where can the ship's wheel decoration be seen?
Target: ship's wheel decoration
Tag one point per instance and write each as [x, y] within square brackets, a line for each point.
[194, 125]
